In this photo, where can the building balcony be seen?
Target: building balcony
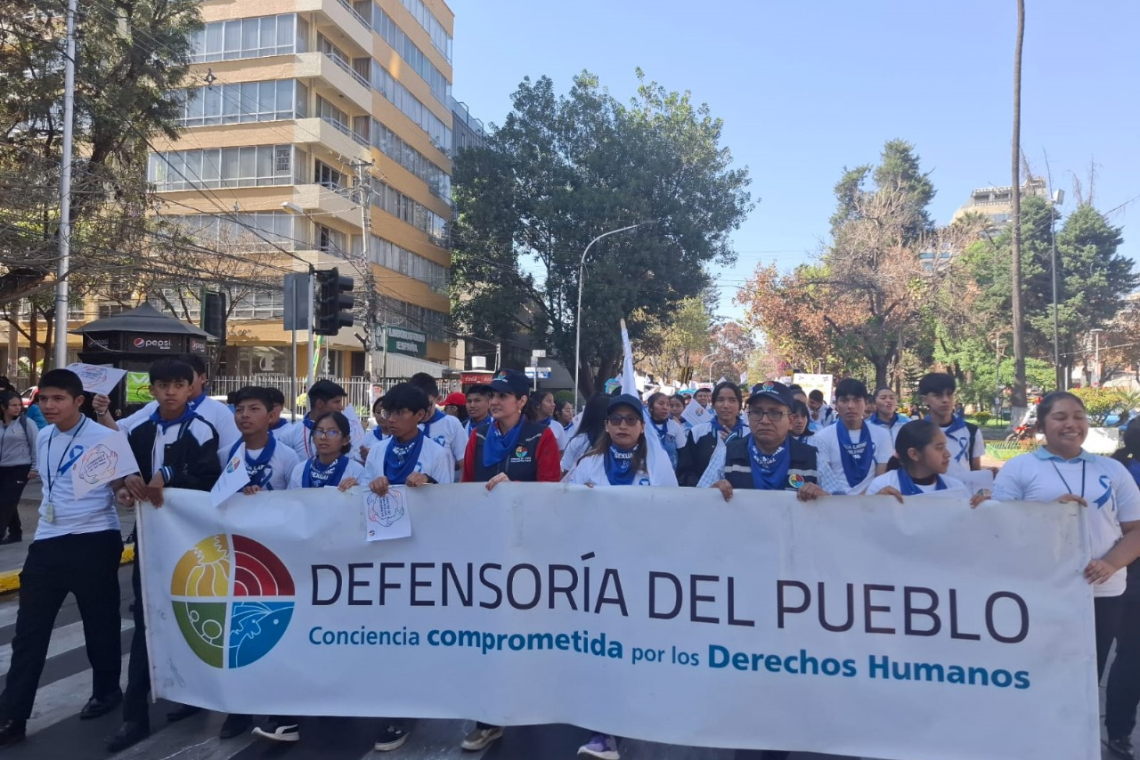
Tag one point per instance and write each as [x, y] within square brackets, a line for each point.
[337, 20]
[323, 204]
[339, 76]
[329, 139]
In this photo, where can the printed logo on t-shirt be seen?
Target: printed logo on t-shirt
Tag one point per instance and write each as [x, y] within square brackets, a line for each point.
[520, 455]
[795, 480]
[1104, 498]
[441, 440]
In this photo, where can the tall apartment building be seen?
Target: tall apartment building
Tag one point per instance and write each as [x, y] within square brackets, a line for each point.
[287, 99]
[996, 203]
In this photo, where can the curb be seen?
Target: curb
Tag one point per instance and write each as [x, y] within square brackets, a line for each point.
[10, 579]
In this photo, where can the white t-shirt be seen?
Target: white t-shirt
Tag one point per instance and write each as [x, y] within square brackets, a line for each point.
[958, 443]
[280, 465]
[592, 469]
[215, 412]
[1111, 492]
[448, 432]
[434, 461]
[353, 469]
[954, 487]
[56, 452]
[831, 477]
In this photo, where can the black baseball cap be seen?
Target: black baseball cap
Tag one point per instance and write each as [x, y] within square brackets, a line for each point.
[627, 399]
[778, 392]
[511, 381]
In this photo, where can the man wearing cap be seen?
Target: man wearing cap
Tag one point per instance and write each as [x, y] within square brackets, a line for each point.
[769, 459]
[324, 396]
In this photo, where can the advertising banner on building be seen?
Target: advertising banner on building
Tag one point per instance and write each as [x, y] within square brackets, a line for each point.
[848, 626]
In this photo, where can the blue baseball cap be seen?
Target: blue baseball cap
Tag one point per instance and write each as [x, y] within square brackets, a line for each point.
[511, 381]
[627, 399]
[778, 392]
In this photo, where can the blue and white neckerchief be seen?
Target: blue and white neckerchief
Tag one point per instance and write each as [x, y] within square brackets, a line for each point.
[907, 486]
[319, 475]
[769, 471]
[401, 458]
[877, 420]
[194, 403]
[182, 419]
[668, 441]
[379, 435]
[260, 470]
[856, 458]
[434, 419]
[737, 429]
[281, 423]
[619, 466]
[496, 445]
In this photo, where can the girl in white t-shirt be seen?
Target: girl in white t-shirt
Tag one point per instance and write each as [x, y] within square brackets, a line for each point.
[1062, 471]
[330, 464]
[919, 465]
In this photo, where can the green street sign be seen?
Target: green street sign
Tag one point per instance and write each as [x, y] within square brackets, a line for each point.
[138, 388]
[401, 340]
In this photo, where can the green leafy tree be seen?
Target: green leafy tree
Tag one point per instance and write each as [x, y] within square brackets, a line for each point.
[132, 58]
[562, 170]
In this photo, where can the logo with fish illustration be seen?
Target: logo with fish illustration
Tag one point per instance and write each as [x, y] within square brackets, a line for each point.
[233, 599]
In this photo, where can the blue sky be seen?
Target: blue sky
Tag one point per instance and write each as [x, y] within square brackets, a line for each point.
[806, 88]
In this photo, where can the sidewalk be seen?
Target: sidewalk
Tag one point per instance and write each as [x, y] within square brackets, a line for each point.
[12, 555]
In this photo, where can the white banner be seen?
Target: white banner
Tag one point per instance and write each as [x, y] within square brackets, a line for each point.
[846, 626]
[821, 383]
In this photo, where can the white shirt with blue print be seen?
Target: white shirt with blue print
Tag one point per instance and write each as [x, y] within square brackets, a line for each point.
[958, 443]
[1106, 484]
[449, 433]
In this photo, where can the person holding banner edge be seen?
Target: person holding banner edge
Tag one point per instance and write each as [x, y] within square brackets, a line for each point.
[919, 466]
[1062, 471]
[331, 465]
[769, 458]
[175, 448]
[76, 550]
[512, 447]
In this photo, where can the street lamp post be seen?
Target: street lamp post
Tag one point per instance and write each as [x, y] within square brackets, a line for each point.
[578, 316]
[1096, 332]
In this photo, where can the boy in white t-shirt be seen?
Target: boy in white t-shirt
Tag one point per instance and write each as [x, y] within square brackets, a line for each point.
[964, 439]
[76, 550]
[851, 453]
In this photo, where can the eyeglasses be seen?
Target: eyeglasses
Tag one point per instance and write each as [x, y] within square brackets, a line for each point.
[617, 420]
[773, 414]
[321, 433]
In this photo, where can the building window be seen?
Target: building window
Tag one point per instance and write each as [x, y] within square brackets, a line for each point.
[406, 49]
[391, 256]
[404, 208]
[398, 313]
[259, 305]
[249, 38]
[243, 103]
[389, 143]
[388, 86]
[259, 231]
[326, 176]
[251, 166]
[440, 39]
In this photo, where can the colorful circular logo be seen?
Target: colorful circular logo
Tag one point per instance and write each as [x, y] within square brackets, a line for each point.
[233, 600]
[139, 342]
[795, 480]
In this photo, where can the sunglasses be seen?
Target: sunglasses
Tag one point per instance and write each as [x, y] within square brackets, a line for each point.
[617, 420]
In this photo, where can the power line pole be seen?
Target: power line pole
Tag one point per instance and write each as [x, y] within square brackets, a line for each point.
[61, 283]
[373, 364]
[1019, 401]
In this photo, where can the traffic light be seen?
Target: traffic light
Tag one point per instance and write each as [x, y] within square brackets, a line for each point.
[333, 302]
[214, 314]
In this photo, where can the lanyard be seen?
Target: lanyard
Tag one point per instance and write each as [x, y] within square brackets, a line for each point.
[1068, 489]
[62, 466]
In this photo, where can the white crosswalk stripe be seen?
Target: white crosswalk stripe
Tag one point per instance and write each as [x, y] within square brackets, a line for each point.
[63, 639]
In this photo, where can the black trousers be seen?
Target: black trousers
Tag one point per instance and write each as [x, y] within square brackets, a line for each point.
[84, 564]
[12, 482]
[1122, 696]
[1107, 611]
[135, 707]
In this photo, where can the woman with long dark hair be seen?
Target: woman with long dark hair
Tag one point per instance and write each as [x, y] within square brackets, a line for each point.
[588, 431]
[919, 465]
[542, 407]
[17, 459]
[704, 438]
[668, 430]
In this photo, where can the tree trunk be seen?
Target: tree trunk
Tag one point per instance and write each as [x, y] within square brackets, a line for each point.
[881, 372]
[1018, 401]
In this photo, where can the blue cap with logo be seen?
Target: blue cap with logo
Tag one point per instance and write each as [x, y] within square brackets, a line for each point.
[511, 381]
[776, 391]
[627, 399]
